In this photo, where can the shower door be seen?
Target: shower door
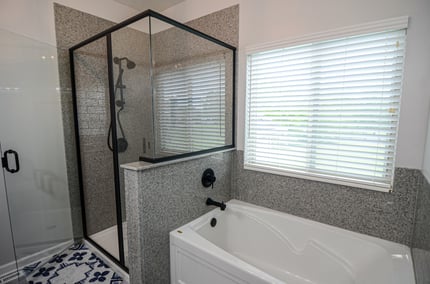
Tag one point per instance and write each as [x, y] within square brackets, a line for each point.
[8, 266]
[34, 204]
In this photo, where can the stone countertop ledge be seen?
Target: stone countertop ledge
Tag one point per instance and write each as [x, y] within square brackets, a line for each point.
[141, 165]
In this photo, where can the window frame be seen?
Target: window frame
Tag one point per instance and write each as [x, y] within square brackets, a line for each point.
[362, 29]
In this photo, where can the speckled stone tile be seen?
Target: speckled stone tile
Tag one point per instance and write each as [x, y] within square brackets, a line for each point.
[190, 49]
[134, 229]
[73, 26]
[223, 25]
[421, 259]
[385, 215]
[163, 199]
[421, 238]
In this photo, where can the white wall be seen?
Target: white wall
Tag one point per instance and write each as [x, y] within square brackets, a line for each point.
[35, 19]
[273, 20]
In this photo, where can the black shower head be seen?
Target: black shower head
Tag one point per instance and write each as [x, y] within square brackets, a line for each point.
[130, 64]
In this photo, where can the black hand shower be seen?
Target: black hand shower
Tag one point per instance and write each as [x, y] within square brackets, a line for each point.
[122, 141]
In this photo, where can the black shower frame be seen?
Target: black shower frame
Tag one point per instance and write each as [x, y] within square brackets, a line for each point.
[107, 34]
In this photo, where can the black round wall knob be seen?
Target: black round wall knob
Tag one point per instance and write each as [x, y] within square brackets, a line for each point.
[208, 178]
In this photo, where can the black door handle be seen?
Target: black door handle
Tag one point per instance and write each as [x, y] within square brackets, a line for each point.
[5, 163]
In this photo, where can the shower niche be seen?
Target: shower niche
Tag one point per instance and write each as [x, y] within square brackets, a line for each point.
[147, 89]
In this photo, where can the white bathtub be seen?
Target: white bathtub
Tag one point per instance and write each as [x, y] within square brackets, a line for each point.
[252, 244]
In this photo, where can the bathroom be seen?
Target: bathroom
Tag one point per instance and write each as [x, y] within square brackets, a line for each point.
[92, 199]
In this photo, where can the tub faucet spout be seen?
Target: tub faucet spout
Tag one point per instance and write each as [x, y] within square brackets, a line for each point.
[221, 205]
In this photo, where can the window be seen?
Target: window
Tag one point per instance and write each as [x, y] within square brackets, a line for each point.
[191, 107]
[327, 110]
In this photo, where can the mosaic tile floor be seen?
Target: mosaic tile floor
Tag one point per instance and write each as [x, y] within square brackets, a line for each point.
[75, 265]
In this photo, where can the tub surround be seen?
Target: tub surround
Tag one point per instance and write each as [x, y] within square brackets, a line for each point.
[388, 216]
[421, 259]
[421, 238]
[163, 198]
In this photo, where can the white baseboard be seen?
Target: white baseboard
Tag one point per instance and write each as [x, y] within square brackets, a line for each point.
[9, 271]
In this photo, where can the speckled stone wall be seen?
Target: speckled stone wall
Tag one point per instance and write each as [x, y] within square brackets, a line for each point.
[72, 27]
[94, 117]
[421, 259]
[136, 117]
[190, 49]
[388, 216]
[421, 238]
[162, 199]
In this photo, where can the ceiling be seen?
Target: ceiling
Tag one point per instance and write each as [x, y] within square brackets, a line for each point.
[156, 5]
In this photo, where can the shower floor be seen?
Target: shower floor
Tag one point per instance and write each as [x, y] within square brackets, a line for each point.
[108, 239]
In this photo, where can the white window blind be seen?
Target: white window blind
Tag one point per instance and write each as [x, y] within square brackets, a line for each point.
[328, 110]
[190, 107]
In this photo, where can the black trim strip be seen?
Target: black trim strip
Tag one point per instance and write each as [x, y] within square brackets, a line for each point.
[233, 123]
[77, 141]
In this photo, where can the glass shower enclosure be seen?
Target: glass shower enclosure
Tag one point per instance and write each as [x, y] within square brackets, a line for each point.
[148, 88]
[35, 215]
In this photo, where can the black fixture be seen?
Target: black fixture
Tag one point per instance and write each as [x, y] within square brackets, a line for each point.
[119, 85]
[213, 222]
[5, 162]
[221, 205]
[208, 178]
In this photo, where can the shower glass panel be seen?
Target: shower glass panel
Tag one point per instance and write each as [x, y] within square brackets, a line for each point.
[148, 89]
[97, 167]
[132, 94]
[34, 200]
[192, 81]
[8, 266]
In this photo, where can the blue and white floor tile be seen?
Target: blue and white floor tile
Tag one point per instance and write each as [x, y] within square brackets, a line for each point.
[75, 265]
